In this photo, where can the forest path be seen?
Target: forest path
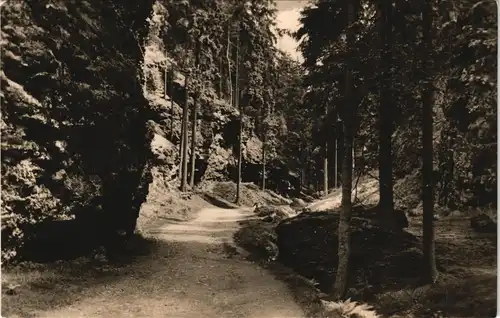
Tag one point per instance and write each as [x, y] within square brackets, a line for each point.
[191, 274]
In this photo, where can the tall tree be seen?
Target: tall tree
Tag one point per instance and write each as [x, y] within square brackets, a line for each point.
[325, 150]
[240, 109]
[172, 116]
[228, 60]
[194, 114]
[385, 111]
[429, 252]
[193, 139]
[184, 137]
[344, 250]
[265, 116]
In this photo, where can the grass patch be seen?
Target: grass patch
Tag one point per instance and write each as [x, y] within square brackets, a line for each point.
[28, 287]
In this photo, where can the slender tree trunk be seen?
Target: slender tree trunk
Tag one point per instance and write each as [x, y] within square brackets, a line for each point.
[228, 57]
[194, 119]
[181, 142]
[305, 179]
[386, 109]
[340, 287]
[325, 159]
[165, 84]
[265, 115]
[185, 138]
[221, 71]
[193, 140]
[264, 141]
[325, 170]
[172, 119]
[429, 252]
[335, 164]
[237, 104]
[303, 158]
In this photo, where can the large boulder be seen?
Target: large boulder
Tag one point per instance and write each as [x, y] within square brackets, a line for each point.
[298, 203]
[398, 219]
[274, 212]
[258, 238]
[483, 223]
[308, 243]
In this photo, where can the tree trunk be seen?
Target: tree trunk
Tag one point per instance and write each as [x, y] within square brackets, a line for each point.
[220, 76]
[265, 114]
[181, 142]
[172, 104]
[340, 287]
[185, 138]
[429, 252]
[325, 159]
[305, 179]
[303, 158]
[228, 57]
[264, 141]
[237, 105]
[165, 82]
[386, 109]
[194, 118]
[193, 140]
[335, 164]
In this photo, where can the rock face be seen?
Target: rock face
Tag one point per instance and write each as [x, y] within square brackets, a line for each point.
[308, 243]
[217, 127]
[483, 223]
[73, 113]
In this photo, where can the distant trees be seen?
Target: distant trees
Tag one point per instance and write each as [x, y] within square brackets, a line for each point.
[203, 35]
[386, 87]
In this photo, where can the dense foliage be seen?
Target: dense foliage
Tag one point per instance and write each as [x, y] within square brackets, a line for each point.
[464, 38]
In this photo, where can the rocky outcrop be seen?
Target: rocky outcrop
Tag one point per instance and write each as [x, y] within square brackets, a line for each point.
[217, 133]
[73, 113]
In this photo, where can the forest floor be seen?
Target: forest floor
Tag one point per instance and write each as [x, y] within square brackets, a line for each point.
[186, 264]
[467, 286]
[182, 265]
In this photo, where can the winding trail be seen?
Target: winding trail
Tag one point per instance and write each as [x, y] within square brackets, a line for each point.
[190, 275]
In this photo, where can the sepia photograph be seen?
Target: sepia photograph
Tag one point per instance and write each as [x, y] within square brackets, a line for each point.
[248, 158]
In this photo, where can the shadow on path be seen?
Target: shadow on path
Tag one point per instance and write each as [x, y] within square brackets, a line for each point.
[186, 271]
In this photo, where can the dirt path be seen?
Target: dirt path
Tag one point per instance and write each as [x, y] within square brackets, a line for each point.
[190, 275]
